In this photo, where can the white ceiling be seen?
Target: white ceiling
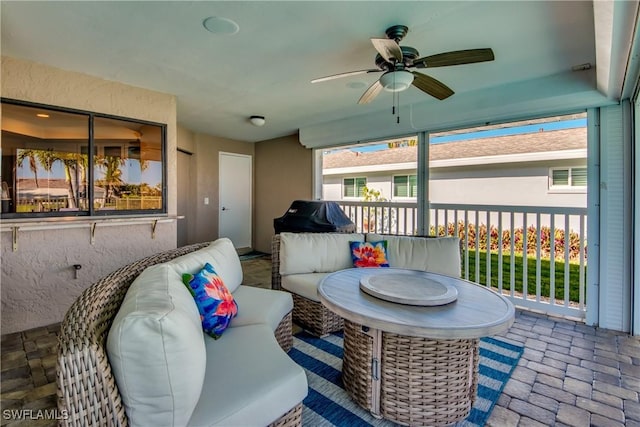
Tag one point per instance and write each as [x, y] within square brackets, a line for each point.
[266, 68]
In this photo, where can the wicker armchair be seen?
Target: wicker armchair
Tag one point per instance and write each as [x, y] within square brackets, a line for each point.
[87, 391]
[308, 314]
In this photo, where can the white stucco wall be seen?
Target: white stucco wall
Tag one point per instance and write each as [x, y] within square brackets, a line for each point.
[380, 181]
[523, 185]
[37, 283]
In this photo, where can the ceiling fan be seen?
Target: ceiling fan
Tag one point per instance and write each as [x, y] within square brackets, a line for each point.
[395, 62]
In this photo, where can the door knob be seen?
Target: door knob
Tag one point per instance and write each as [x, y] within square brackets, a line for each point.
[224, 208]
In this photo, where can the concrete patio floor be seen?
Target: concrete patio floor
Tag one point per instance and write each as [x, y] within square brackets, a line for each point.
[570, 374]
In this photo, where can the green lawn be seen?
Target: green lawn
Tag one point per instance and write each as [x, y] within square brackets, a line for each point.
[545, 275]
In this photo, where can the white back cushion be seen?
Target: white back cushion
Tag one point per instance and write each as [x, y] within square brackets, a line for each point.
[156, 349]
[316, 252]
[438, 254]
[220, 254]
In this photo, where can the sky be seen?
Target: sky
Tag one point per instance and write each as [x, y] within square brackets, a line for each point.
[565, 124]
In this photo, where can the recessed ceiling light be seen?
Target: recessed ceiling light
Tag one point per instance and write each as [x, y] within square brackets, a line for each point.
[219, 25]
[43, 115]
[356, 85]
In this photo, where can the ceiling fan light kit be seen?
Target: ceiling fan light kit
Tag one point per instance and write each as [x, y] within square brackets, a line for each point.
[257, 120]
[396, 81]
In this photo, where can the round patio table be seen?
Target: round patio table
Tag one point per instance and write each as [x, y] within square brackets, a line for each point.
[413, 364]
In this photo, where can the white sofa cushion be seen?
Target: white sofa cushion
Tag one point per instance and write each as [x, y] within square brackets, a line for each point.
[220, 254]
[261, 306]
[315, 252]
[305, 285]
[156, 349]
[250, 380]
[438, 254]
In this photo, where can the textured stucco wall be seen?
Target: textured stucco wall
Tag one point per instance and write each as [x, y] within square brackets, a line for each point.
[283, 173]
[37, 282]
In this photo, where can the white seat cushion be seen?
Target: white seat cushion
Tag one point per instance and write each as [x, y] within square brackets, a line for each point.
[437, 255]
[305, 285]
[250, 380]
[220, 254]
[156, 349]
[261, 306]
[316, 252]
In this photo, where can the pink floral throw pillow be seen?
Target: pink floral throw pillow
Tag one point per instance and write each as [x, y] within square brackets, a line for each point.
[369, 254]
[215, 303]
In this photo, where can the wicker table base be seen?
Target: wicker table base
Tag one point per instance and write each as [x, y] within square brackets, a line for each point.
[410, 380]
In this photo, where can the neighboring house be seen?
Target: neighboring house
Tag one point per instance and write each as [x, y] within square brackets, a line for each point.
[546, 168]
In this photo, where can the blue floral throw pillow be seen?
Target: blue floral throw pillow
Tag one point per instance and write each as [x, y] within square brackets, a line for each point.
[369, 254]
[215, 303]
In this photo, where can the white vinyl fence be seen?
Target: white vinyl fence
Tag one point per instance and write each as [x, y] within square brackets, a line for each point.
[552, 241]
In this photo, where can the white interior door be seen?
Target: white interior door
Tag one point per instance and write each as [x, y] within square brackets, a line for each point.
[234, 211]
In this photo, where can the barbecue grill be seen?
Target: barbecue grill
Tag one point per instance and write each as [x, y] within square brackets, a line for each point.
[314, 216]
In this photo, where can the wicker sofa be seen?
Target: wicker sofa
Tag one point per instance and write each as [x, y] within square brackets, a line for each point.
[301, 260]
[132, 350]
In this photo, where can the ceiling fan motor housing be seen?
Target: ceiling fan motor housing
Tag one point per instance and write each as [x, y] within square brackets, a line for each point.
[408, 55]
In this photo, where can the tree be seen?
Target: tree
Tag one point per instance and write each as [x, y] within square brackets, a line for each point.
[372, 195]
[112, 174]
[74, 165]
[383, 218]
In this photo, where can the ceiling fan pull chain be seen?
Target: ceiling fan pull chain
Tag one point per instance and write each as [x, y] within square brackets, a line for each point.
[393, 106]
[393, 109]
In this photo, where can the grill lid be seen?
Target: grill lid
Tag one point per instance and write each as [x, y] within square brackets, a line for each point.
[314, 216]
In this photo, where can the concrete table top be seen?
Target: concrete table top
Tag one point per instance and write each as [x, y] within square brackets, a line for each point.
[476, 312]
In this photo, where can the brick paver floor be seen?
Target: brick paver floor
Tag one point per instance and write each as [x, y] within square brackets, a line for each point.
[569, 375]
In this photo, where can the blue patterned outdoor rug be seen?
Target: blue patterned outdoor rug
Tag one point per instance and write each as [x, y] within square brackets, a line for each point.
[329, 405]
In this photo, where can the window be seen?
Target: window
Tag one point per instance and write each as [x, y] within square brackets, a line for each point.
[564, 178]
[405, 186]
[46, 168]
[353, 187]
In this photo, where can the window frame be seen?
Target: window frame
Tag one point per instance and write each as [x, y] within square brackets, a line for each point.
[566, 188]
[393, 186]
[355, 187]
[92, 148]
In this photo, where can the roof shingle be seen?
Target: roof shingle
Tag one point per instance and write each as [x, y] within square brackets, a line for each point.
[556, 140]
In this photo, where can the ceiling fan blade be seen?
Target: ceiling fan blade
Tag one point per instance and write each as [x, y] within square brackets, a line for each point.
[370, 93]
[347, 74]
[429, 85]
[388, 49]
[456, 57]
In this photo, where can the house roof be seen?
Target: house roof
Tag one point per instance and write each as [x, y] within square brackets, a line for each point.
[544, 141]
